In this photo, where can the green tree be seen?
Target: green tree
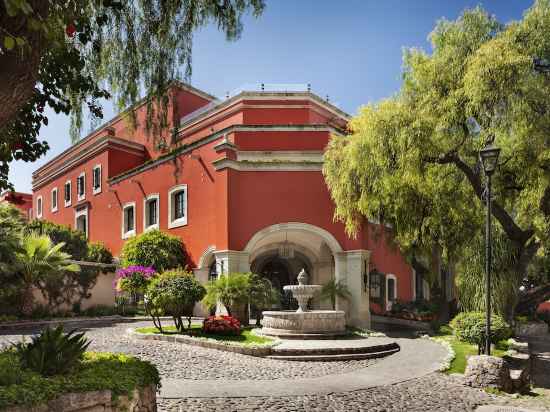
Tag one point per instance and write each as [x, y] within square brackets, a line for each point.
[11, 228]
[67, 54]
[412, 160]
[154, 248]
[231, 290]
[262, 294]
[335, 289]
[38, 259]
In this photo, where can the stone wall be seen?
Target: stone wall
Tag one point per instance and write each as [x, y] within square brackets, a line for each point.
[142, 400]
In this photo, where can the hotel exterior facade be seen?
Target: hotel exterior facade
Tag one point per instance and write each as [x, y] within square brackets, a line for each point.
[239, 181]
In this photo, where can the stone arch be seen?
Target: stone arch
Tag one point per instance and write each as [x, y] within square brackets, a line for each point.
[206, 258]
[328, 238]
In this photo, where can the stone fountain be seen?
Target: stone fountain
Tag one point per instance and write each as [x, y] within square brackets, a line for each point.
[304, 323]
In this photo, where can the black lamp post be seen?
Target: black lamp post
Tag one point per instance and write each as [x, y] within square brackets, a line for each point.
[489, 159]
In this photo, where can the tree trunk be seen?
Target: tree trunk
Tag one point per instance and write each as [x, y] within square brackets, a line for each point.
[18, 68]
[28, 301]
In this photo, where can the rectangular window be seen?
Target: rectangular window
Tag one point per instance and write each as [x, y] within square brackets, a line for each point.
[54, 199]
[128, 220]
[177, 206]
[153, 218]
[151, 212]
[96, 179]
[81, 186]
[67, 194]
[81, 220]
[180, 205]
[39, 207]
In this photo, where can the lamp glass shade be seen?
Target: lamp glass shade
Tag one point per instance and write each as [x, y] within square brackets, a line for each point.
[489, 158]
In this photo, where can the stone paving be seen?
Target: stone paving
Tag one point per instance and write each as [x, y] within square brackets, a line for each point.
[433, 392]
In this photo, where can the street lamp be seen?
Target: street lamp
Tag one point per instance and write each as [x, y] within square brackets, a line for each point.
[489, 159]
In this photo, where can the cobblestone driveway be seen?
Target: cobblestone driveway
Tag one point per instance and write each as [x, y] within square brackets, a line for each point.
[435, 392]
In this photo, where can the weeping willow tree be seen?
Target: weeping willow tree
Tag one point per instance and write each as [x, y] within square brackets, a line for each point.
[412, 160]
[505, 283]
[70, 54]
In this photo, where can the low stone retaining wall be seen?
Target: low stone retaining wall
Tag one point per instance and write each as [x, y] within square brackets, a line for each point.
[206, 343]
[413, 324]
[142, 400]
[531, 329]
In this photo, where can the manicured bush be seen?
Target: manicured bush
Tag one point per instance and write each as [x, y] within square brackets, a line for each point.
[221, 325]
[470, 327]
[53, 352]
[156, 249]
[174, 293]
[119, 373]
[99, 253]
[133, 280]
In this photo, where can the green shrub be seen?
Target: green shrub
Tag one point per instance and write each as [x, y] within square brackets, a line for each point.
[470, 327]
[52, 352]
[231, 290]
[98, 252]
[10, 368]
[119, 373]
[154, 248]
[100, 310]
[174, 293]
[75, 241]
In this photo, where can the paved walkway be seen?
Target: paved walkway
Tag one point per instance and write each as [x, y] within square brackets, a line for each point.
[333, 343]
[417, 358]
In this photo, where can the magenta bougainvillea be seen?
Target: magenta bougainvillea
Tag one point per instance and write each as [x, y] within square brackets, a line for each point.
[133, 279]
[221, 325]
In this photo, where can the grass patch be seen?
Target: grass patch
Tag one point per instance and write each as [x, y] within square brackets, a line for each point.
[464, 349]
[98, 371]
[245, 338]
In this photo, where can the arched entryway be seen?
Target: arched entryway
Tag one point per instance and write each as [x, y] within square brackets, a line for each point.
[281, 270]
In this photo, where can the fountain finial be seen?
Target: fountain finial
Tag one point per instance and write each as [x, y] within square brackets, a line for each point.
[302, 277]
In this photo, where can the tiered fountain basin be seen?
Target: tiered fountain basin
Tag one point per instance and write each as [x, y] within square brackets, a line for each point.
[314, 324]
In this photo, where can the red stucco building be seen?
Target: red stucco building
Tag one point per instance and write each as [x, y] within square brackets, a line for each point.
[22, 201]
[239, 180]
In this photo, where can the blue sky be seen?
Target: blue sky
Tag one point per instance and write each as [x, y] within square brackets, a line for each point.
[349, 49]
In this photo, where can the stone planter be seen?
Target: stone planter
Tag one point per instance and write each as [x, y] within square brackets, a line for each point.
[142, 400]
[531, 329]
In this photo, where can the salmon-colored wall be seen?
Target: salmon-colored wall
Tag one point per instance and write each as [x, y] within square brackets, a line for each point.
[22, 201]
[387, 258]
[288, 140]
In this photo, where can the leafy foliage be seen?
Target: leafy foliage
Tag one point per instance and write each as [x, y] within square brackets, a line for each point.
[154, 248]
[11, 226]
[10, 368]
[333, 289]
[133, 279]
[39, 259]
[221, 325]
[470, 327]
[174, 293]
[119, 373]
[53, 352]
[231, 290]
[412, 160]
[98, 252]
[70, 53]
[75, 243]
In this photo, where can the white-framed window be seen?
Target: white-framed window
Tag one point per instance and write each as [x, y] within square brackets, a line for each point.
[39, 207]
[96, 179]
[81, 220]
[151, 212]
[54, 199]
[128, 220]
[177, 206]
[391, 290]
[81, 186]
[67, 193]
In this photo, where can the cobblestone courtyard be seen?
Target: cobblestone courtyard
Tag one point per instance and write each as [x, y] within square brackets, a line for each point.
[433, 392]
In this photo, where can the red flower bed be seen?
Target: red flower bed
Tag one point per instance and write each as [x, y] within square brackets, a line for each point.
[221, 325]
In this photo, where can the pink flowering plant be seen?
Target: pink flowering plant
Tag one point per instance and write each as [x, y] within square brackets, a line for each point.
[133, 279]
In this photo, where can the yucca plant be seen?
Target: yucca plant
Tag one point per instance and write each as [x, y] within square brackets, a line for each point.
[53, 352]
[38, 258]
[333, 289]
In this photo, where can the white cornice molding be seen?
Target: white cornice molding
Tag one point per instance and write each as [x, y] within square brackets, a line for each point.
[270, 166]
[281, 155]
[47, 175]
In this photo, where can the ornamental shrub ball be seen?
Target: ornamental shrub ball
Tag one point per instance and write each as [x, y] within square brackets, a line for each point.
[154, 248]
[133, 280]
[174, 293]
[470, 327]
[221, 325]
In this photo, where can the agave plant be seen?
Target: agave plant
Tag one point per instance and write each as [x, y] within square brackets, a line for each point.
[53, 352]
[38, 258]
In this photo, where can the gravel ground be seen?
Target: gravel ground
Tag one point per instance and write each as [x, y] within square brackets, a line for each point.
[177, 360]
[435, 392]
